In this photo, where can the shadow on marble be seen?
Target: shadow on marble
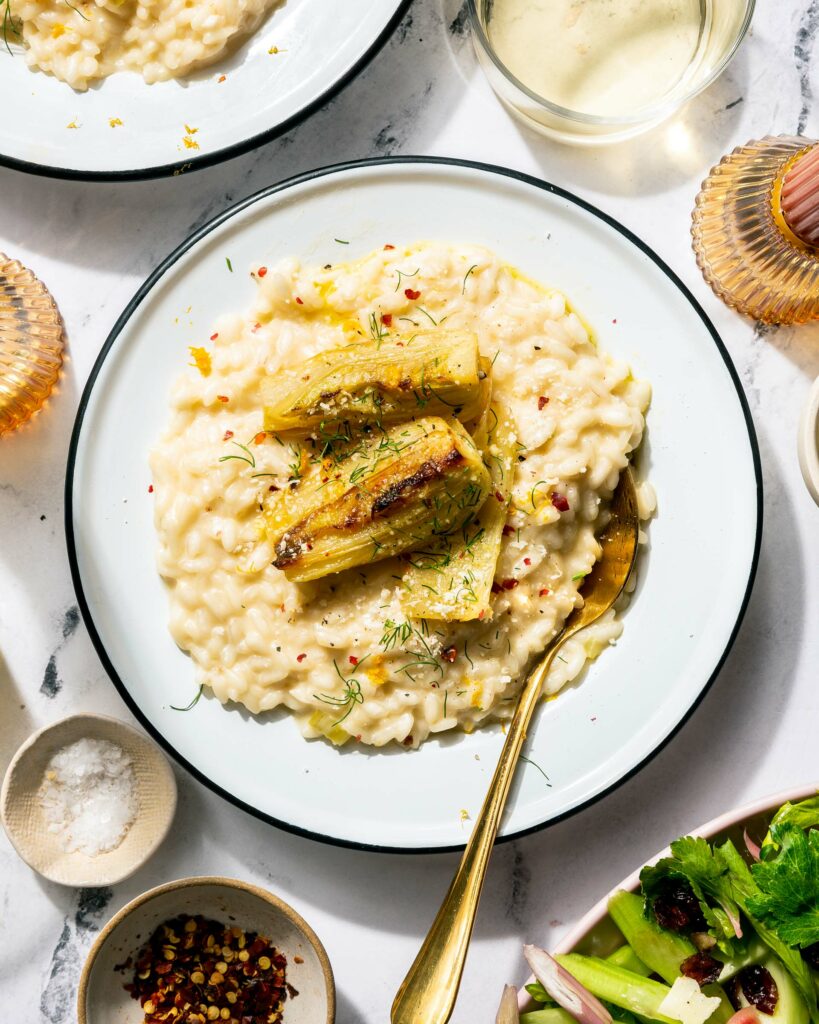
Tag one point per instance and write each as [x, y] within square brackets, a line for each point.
[800, 344]
[16, 722]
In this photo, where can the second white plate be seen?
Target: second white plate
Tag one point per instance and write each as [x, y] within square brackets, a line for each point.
[122, 128]
[701, 456]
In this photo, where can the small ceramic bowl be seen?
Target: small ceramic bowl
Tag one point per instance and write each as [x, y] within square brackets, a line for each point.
[808, 442]
[26, 824]
[597, 935]
[103, 1000]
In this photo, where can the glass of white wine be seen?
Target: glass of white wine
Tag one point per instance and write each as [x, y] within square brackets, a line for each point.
[596, 71]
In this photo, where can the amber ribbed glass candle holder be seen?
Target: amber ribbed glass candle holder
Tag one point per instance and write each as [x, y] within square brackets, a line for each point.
[748, 219]
[31, 344]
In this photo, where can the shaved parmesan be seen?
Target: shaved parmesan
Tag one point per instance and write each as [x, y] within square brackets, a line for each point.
[687, 1003]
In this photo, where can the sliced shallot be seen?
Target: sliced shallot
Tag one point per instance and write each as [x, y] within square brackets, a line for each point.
[508, 1009]
[750, 845]
[565, 989]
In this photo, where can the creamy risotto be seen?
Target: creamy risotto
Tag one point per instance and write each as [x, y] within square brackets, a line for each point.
[83, 41]
[339, 652]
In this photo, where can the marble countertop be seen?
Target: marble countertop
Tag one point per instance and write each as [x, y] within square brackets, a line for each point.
[754, 733]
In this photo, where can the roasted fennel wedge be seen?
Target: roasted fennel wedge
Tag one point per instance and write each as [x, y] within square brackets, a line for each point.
[451, 578]
[427, 373]
[390, 492]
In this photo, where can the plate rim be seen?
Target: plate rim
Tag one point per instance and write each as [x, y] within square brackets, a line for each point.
[147, 286]
[197, 163]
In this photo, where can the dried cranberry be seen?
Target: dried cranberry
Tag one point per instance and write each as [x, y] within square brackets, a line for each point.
[759, 988]
[676, 908]
[702, 967]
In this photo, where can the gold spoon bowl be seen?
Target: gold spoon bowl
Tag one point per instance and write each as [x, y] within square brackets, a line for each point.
[427, 994]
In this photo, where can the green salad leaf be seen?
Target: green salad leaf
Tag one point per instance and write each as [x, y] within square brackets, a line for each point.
[805, 815]
[705, 870]
[788, 901]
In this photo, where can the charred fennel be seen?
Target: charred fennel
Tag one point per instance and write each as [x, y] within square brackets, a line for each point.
[391, 492]
[451, 579]
[381, 381]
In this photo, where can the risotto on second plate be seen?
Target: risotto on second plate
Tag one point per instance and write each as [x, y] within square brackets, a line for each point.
[341, 652]
[83, 41]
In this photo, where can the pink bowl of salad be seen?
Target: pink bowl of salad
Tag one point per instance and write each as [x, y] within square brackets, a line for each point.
[722, 927]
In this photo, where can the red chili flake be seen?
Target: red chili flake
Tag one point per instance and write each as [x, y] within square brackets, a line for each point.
[389, 246]
[542, 402]
[300, 658]
[214, 336]
[614, 321]
[702, 967]
[500, 497]
[228, 435]
[222, 398]
[353, 660]
[527, 561]
[262, 271]
[299, 301]
[386, 319]
[222, 78]
[412, 294]
[543, 592]
[509, 584]
[481, 614]
[508, 530]
[259, 437]
[450, 654]
[560, 502]
[150, 488]
[272, 487]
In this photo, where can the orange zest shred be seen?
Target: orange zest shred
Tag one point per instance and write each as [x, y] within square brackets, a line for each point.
[201, 360]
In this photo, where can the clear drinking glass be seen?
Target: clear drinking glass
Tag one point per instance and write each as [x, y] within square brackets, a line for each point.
[597, 71]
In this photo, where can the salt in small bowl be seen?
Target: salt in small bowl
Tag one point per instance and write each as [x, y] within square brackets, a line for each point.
[28, 829]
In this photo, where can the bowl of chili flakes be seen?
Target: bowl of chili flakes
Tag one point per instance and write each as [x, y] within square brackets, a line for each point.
[199, 950]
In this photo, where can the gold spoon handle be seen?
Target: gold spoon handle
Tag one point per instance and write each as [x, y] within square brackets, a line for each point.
[427, 994]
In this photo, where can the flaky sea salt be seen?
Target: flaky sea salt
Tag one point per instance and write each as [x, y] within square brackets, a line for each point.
[88, 796]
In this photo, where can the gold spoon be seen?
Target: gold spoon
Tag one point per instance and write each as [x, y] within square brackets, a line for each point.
[427, 994]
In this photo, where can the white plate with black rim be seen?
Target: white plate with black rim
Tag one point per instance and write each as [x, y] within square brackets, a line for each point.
[121, 128]
[678, 629]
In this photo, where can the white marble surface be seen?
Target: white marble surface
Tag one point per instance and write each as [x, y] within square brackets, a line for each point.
[754, 733]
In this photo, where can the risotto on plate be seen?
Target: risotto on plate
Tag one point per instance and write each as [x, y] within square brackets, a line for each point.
[379, 490]
[87, 40]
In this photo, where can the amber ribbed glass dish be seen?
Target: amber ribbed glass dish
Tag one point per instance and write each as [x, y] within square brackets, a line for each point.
[31, 344]
[747, 252]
